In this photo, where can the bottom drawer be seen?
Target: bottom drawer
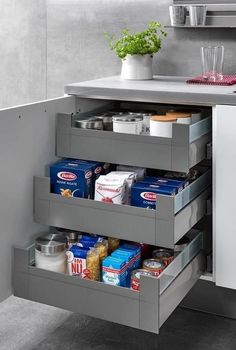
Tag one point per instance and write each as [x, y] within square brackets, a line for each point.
[146, 310]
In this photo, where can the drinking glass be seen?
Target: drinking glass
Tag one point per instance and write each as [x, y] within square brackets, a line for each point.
[197, 15]
[212, 62]
[177, 15]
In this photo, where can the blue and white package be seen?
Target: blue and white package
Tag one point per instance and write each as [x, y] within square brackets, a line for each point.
[71, 179]
[129, 257]
[179, 185]
[145, 195]
[137, 251]
[76, 261]
[114, 271]
[87, 241]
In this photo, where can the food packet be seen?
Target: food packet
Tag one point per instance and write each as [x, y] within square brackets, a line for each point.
[93, 264]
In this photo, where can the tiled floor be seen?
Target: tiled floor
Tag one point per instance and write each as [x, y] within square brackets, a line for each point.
[30, 326]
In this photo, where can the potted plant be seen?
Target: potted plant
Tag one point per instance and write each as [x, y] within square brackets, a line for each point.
[136, 50]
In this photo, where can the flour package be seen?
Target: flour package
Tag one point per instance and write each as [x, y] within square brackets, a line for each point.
[129, 177]
[111, 189]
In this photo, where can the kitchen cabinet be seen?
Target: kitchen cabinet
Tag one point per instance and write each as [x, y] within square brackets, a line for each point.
[158, 297]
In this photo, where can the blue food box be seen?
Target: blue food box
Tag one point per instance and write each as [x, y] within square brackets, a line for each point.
[71, 179]
[145, 195]
[179, 185]
[129, 257]
[114, 271]
[136, 250]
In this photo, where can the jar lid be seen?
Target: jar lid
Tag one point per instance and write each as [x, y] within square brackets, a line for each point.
[69, 234]
[179, 114]
[51, 243]
[127, 118]
[164, 118]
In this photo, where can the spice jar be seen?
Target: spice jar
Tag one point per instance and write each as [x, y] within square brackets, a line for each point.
[161, 125]
[50, 252]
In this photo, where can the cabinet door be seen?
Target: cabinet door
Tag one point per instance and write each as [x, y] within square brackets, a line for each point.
[224, 195]
[27, 144]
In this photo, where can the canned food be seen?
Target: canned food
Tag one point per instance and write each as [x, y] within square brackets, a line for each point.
[163, 255]
[92, 123]
[135, 278]
[154, 266]
[180, 245]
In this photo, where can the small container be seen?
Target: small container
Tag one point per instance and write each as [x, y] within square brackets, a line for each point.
[107, 121]
[182, 117]
[128, 124]
[50, 252]
[195, 113]
[135, 278]
[71, 236]
[181, 245]
[161, 125]
[146, 115]
[197, 15]
[92, 123]
[163, 255]
[154, 266]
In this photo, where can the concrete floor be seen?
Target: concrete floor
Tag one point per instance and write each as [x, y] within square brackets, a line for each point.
[29, 326]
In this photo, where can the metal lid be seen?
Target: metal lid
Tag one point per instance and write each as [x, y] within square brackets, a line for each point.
[137, 273]
[153, 264]
[51, 243]
[162, 254]
[127, 118]
[92, 123]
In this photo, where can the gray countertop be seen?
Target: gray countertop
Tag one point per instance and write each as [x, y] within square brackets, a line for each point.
[162, 89]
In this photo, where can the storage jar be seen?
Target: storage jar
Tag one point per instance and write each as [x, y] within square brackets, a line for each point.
[161, 125]
[128, 124]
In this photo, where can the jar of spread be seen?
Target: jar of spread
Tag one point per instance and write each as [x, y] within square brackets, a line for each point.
[50, 252]
[154, 266]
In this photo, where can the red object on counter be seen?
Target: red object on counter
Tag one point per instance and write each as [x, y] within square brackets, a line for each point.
[226, 81]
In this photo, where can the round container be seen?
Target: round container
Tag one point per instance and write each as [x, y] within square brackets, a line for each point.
[107, 121]
[71, 236]
[195, 113]
[180, 245]
[154, 266]
[135, 278]
[182, 117]
[50, 252]
[161, 125]
[163, 255]
[93, 123]
[127, 124]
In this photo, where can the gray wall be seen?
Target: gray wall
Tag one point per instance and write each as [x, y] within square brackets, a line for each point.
[48, 43]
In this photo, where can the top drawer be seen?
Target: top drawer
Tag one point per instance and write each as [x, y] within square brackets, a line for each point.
[186, 148]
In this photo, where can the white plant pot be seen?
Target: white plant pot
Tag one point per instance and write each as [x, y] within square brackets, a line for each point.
[137, 67]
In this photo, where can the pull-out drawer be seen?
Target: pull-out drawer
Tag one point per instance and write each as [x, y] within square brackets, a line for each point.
[174, 217]
[186, 148]
[146, 310]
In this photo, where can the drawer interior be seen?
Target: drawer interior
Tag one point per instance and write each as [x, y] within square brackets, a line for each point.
[146, 310]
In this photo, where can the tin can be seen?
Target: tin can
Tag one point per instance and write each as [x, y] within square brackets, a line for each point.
[92, 123]
[135, 278]
[128, 124]
[163, 255]
[154, 266]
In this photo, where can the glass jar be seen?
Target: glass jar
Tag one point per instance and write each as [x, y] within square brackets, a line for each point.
[50, 252]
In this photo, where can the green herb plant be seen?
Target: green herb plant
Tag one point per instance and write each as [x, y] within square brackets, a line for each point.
[142, 43]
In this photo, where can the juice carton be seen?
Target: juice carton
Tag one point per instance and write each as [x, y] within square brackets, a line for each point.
[114, 271]
[71, 179]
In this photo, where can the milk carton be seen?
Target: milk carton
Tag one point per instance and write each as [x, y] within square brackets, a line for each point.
[71, 179]
[114, 271]
[76, 261]
[145, 195]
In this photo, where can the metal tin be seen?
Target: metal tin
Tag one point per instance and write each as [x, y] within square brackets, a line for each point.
[163, 255]
[127, 118]
[128, 124]
[71, 236]
[153, 265]
[51, 243]
[92, 123]
[181, 244]
[135, 278]
[107, 121]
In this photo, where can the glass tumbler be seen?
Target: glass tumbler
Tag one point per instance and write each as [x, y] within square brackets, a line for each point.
[212, 62]
[177, 15]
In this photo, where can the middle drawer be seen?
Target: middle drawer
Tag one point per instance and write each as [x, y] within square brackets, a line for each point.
[173, 218]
